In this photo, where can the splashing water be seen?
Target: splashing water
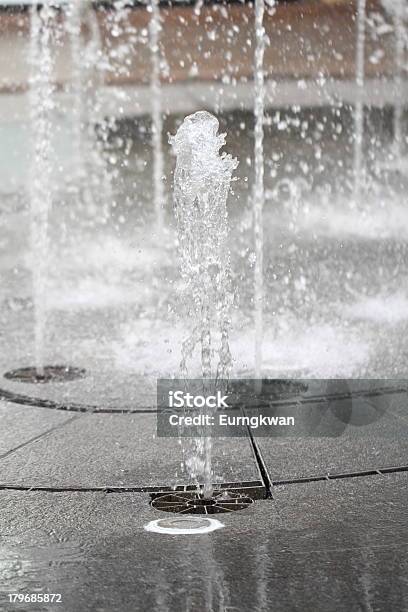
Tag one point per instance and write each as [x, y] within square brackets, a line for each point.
[157, 118]
[201, 185]
[259, 191]
[358, 169]
[41, 193]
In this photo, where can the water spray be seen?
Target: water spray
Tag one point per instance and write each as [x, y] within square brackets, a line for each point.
[201, 186]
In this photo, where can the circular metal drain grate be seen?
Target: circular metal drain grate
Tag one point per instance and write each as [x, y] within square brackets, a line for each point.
[195, 503]
[51, 374]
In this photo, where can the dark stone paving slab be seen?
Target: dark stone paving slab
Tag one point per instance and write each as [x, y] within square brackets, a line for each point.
[398, 405]
[322, 547]
[19, 425]
[346, 435]
[118, 450]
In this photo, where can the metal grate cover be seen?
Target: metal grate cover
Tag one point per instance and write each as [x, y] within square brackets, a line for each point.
[194, 502]
[57, 373]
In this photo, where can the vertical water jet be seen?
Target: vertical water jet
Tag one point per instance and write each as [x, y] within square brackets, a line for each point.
[399, 68]
[201, 185]
[358, 167]
[398, 9]
[157, 115]
[74, 16]
[259, 191]
[42, 105]
[90, 179]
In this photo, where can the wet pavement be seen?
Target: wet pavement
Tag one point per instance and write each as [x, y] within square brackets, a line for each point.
[327, 546]
[335, 542]
[116, 451]
[340, 435]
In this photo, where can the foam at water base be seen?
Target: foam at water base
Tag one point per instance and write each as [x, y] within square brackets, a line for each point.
[183, 526]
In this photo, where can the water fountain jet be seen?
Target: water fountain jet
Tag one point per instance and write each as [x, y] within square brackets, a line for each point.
[398, 9]
[42, 107]
[259, 189]
[157, 117]
[201, 185]
[45, 35]
[90, 180]
[358, 168]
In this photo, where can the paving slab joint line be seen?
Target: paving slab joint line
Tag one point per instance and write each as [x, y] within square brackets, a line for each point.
[38, 437]
[341, 476]
[230, 485]
[263, 470]
[37, 402]
[250, 488]
[26, 400]
[324, 397]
